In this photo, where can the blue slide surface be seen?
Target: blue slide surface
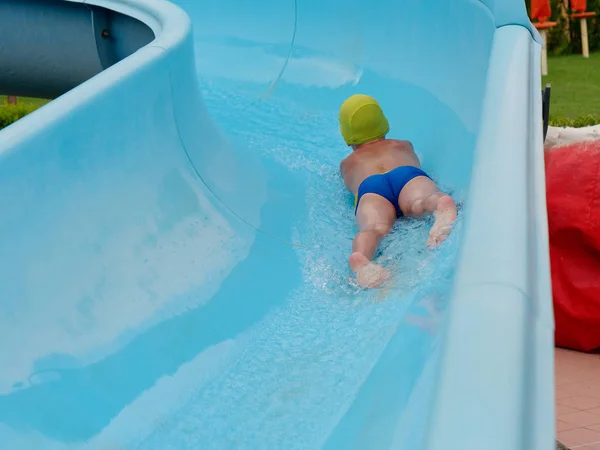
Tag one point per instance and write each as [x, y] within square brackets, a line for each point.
[174, 231]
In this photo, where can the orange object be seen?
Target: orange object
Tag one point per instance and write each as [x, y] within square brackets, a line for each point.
[579, 5]
[583, 15]
[544, 25]
[540, 10]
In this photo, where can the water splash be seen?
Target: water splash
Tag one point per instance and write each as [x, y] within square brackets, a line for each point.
[301, 369]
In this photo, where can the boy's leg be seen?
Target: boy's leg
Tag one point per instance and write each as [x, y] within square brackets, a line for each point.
[422, 196]
[375, 217]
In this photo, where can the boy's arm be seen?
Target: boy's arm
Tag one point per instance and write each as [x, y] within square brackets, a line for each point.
[344, 167]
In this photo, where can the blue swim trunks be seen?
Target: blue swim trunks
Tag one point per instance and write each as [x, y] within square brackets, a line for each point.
[389, 185]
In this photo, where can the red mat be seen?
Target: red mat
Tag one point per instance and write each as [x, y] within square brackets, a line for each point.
[573, 197]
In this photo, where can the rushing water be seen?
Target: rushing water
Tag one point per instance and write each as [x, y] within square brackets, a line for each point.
[322, 355]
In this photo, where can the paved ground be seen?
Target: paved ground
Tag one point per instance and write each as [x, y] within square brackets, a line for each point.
[577, 399]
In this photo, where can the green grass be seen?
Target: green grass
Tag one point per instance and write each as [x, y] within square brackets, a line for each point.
[26, 101]
[575, 98]
[12, 113]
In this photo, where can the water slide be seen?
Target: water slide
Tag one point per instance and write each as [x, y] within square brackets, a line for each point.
[174, 232]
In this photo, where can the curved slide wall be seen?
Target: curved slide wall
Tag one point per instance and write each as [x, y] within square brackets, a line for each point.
[157, 272]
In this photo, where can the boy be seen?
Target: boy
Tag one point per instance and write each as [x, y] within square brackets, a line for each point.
[385, 177]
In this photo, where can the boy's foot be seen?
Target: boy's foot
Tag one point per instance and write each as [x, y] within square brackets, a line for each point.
[445, 215]
[368, 274]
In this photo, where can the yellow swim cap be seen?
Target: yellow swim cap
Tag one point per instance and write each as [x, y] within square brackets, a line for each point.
[362, 120]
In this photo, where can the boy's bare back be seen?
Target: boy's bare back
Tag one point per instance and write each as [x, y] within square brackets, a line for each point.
[387, 182]
[379, 156]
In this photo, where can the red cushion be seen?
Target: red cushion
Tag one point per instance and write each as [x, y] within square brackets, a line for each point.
[573, 198]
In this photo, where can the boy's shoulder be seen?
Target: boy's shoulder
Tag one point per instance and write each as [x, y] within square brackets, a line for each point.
[400, 143]
[346, 161]
[349, 162]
